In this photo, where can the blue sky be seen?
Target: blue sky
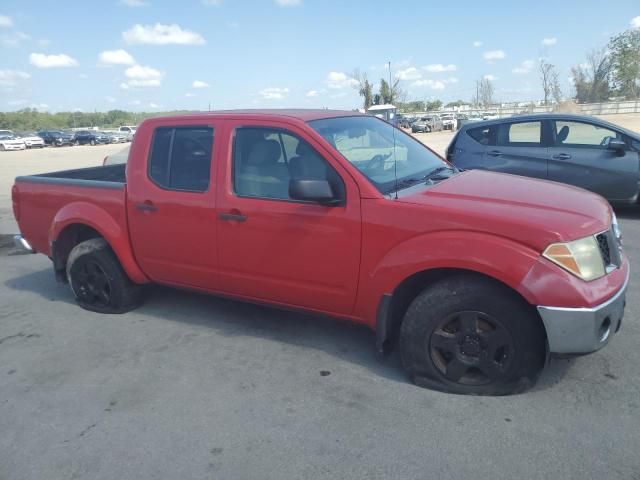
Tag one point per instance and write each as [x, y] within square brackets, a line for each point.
[163, 55]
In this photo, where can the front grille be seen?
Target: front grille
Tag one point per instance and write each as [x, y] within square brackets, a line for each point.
[605, 250]
[609, 249]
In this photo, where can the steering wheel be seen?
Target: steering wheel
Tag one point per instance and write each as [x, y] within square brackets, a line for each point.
[376, 162]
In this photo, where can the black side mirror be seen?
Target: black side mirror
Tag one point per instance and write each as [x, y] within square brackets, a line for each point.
[312, 190]
[616, 145]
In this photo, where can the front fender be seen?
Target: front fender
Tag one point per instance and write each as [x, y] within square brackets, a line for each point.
[110, 228]
[497, 257]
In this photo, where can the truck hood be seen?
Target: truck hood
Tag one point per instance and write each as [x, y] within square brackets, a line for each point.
[533, 212]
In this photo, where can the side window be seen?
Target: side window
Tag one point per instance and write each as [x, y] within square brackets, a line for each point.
[521, 134]
[181, 158]
[265, 159]
[578, 134]
[482, 135]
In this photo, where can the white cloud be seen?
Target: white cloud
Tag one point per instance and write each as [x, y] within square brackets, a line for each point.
[340, 80]
[134, 3]
[160, 34]
[491, 78]
[42, 60]
[439, 68]
[635, 22]
[493, 55]
[140, 76]
[16, 102]
[288, 3]
[432, 84]
[549, 41]
[450, 80]
[189, 94]
[116, 57]
[199, 84]
[154, 105]
[477, 43]
[11, 78]
[110, 99]
[273, 93]
[411, 73]
[13, 39]
[124, 86]
[524, 68]
[135, 102]
[312, 93]
[6, 21]
[40, 106]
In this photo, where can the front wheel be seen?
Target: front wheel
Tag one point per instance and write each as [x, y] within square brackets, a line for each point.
[468, 334]
[98, 281]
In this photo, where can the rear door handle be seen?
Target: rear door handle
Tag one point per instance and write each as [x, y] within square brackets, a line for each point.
[561, 156]
[232, 217]
[494, 153]
[146, 207]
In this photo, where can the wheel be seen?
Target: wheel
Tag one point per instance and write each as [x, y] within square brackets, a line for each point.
[98, 281]
[2, 149]
[468, 334]
[76, 143]
[93, 142]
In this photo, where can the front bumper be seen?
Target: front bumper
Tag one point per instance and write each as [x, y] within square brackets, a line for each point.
[583, 330]
[15, 147]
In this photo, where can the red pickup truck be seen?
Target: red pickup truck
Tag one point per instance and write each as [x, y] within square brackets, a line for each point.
[476, 276]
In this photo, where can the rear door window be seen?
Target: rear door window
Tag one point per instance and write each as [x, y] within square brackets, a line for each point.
[482, 135]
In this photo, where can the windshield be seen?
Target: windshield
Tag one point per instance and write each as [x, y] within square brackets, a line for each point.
[367, 143]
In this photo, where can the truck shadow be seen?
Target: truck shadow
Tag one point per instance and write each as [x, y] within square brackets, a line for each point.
[346, 341]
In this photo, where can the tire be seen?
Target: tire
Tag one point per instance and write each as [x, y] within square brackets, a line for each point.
[468, 334]
[93, 142]
[98, 281]
[2, 149]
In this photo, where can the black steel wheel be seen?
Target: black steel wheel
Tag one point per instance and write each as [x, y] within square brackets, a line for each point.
[98, 281]
[470, 334]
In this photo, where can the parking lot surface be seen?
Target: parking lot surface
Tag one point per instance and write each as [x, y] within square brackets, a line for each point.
[190, 386]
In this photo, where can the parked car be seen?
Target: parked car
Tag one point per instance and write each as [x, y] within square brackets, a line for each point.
[31, 139]
[449, 121]
[56, 138]
[128, 130]
[118, 157]
[579, 150]
[474, 117]
[8, 141]
[117, 137]
[429, 123]
[479, 275]
[490, 116]
[404, 122]
[462, 119]
[91, 137]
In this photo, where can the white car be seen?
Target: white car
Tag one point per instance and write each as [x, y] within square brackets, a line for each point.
[490, 116]
[449, 121]
[129, 130]
[30, 139]
[10, 142]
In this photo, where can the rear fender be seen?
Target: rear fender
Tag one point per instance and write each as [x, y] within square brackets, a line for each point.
[95, 217]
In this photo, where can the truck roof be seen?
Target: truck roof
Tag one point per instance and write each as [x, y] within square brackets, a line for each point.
[301, 113]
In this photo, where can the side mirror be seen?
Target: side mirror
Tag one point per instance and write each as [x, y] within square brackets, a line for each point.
[616, 145]
[312, 190]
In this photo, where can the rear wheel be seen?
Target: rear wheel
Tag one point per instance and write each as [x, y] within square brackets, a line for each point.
[471, 335]
[2, 149]
[93, 142]
[98, 281]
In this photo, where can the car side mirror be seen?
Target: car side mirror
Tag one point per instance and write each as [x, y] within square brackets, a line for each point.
[313, 190]
[616, 145]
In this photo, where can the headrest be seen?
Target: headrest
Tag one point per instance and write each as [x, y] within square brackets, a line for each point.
[264, 152]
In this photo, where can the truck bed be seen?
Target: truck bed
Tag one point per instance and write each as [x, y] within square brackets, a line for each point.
[109, 176]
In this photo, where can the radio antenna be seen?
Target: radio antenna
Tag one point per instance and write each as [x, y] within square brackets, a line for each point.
[395, 119]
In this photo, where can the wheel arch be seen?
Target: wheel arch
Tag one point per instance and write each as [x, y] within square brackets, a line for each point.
[82, 221]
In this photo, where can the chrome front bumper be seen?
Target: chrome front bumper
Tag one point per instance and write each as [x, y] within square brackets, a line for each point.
[583, 330]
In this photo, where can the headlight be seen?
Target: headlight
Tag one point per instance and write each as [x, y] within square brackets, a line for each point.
[580, 257]
[616, 229]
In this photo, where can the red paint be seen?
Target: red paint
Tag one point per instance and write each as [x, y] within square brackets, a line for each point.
[335, 260]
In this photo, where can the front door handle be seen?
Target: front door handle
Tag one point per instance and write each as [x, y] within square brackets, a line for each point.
[232, 217]
[146, 207]
[494, 153]
[561, 156]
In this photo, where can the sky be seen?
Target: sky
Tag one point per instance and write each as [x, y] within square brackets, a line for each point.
[146, 55]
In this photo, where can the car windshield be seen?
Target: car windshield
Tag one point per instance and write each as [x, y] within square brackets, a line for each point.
[368, 144]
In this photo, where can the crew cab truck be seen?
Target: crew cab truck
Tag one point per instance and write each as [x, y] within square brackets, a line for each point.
[475, 276]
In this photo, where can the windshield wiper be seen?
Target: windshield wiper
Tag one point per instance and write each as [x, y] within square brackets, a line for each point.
[436, 173]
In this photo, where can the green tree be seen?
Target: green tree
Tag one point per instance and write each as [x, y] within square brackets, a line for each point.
[625, 59]
[364, 87]
[592, 80]
[434, 105]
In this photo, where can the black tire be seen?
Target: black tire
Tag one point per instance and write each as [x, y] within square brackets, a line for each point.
[98, 281]
[93, 142]
[2, 149]
[468, 334]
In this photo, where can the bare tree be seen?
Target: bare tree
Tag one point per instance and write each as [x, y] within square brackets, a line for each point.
[592, 80]
[484, 95]
[364, 87]
[550, 82]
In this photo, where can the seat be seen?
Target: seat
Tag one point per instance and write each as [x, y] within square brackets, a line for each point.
[307, 164]
[563, 134]
[261, 174]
